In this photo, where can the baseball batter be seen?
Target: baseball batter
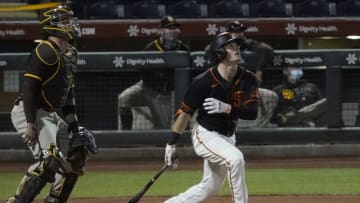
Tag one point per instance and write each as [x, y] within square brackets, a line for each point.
[49, 88]
[221, 95]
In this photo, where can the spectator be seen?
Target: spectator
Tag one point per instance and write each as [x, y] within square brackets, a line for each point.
[300, 102]
[155, 84]
[264, 52]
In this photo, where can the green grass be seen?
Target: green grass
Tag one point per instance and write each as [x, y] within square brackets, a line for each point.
[259, 182]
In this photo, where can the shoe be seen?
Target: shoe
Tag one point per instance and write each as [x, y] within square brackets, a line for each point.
[11, 200]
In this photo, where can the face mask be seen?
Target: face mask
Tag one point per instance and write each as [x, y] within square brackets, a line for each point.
[169, 39]
[296, 74]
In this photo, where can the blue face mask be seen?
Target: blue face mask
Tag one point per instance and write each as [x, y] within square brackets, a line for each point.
[296, 74]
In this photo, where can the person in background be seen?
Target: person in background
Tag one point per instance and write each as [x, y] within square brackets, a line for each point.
[300, 102]
[264, 54]
[155, 88]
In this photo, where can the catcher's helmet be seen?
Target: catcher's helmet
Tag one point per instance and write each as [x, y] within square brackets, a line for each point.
[217, 45]
[59, 22]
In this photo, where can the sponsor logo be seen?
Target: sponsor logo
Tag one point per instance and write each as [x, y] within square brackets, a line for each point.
[277, 61]
[81, 61]
[212, 29]
[143, 62]
[118, 61]
[351, 58]
[199, 61]
[149, 31]
[88, 31]
[133, 31]
[303, 60]
[12, 32]
[291, 29]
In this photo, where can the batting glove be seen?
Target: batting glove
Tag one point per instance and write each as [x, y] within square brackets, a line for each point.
[213, 105]
[170, 156]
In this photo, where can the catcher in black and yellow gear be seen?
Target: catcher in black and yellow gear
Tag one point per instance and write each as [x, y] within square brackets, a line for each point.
[49, 88]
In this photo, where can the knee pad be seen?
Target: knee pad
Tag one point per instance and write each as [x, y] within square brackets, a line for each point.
[51, 162]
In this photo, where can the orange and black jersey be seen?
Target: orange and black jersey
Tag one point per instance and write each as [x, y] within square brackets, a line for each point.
[242, 93]
[48, 78]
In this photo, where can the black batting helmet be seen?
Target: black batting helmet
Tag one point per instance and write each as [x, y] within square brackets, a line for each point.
[59, 22]
[217, 49]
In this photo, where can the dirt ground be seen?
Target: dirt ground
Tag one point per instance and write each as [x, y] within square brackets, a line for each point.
[318, 162]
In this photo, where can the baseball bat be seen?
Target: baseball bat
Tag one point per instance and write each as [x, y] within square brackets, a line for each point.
[139, 195]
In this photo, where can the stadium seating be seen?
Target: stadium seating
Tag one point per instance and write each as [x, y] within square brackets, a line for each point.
[349, 8]
[271, 8]
[145, 9]
[314, 8]
[229, 8]
[188, 9]
[104, 10]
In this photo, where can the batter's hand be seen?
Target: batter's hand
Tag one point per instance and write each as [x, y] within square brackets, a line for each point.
[30, 134]
[213, 105]
[170, 155]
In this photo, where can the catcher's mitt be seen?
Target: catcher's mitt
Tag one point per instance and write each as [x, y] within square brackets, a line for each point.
[82, 137]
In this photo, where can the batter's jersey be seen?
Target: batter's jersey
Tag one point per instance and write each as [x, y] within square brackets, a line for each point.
[242, 93]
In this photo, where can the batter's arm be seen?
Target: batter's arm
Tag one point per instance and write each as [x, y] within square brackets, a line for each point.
[181, 122]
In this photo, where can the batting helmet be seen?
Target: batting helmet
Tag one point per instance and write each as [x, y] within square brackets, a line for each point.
[59, 22]
[217, 46]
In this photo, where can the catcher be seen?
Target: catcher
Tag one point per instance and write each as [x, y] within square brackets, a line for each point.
[45, 113]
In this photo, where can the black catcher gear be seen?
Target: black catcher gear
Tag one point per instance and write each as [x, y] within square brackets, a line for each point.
[82, 137]
[60, 22]
[30, 186]
[51, 162]
[217, 51]
[62, 192]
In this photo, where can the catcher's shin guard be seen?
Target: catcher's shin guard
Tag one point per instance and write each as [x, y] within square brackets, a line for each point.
[61, 188]
[29, 187]
[50, 164]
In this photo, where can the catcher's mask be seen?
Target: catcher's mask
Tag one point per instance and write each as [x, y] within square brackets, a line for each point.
[60, 22]
[217, 45]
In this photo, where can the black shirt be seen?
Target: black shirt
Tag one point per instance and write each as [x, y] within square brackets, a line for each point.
[293, 97]
[241, 93]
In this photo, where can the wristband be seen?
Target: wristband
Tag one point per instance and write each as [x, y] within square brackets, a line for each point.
[173, 138]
